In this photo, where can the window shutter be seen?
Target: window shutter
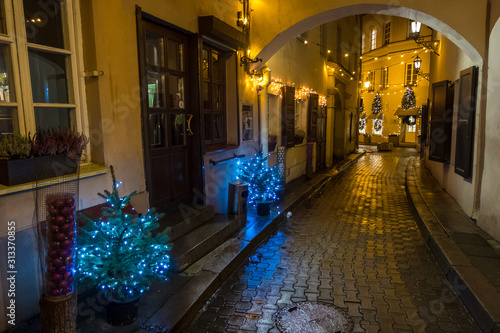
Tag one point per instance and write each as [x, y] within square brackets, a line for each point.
[288, 117]
[465, 121]
[441, 122]
[312, 117]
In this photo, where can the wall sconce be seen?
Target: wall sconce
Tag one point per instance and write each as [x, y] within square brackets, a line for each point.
[246, 61]
[417, 64]
[367, 84]
[431, 45]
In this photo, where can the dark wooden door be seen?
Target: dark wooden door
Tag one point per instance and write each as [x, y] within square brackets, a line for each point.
[316, 129]
[288, 117]
[166, 113]
[441, 122]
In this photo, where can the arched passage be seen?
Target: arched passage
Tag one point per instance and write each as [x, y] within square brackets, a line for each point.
[274, 32]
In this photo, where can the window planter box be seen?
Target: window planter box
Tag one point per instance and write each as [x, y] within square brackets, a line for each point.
[14, 172]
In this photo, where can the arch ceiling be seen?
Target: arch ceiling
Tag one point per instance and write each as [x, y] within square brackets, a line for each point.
[461, 21]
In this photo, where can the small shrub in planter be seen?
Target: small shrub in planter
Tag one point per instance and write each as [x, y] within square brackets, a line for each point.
[47, 154]
[299, 136]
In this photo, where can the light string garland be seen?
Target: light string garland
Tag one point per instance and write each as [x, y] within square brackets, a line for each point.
[118, 252]
[301, 94]
[263, 180]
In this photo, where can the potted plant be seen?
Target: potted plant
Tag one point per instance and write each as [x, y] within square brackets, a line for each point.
[120, 254]
[45, 155]
[299, 136]
[272, 140]
[263, 182]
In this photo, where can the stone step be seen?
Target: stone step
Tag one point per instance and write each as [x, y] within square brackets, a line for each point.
[197, 243]
[185, 220]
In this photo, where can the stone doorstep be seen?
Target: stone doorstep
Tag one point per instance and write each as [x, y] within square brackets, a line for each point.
[179, 311]
[479, 296]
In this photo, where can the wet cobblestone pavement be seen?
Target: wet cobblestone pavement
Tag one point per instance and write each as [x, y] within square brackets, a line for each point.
[354, 245]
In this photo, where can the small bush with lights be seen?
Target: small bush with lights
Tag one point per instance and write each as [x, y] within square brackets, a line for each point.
[263, 181]
[118, 252]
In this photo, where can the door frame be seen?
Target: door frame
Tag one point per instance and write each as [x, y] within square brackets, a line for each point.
[192, 87]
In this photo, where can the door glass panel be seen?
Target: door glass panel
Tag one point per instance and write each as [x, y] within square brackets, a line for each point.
[176, 92]
[205, 96]
[178, 122]
[3, 27]
[156, 87]
[208, 126]
[218, 126]
[6, 84]
[154, 50]
[59, 118]
[175, 54]
[218, 98]
[44, 22]
[6, 121]
[48, 77]
[216, 66]
[206, 63]
[157, 128]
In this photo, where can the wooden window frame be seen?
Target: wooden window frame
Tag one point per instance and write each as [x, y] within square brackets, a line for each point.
[467, 99]
[440, 127]
[288, 117]
[385, 78]
[373, 39]
[211, 143]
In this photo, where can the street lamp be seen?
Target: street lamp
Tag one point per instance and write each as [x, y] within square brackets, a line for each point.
[420, 40]
[417, 64]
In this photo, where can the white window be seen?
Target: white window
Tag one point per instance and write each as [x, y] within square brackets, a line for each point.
[371, 79]
[385, 78]
[410, 75]
[363, 44]
[387, 33]
[38, 66]
[373, 45]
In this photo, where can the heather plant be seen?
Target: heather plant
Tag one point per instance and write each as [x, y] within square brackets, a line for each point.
[53, 142]
[15, 147]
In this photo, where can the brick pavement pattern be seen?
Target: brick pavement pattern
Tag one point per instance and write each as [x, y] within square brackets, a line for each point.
[355, 245]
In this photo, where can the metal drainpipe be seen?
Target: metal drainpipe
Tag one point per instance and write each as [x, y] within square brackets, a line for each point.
[263, 106]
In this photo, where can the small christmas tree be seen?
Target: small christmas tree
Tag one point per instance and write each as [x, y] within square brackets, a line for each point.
[408, 101]
[263, 181]
[118, 252]
[376, 104]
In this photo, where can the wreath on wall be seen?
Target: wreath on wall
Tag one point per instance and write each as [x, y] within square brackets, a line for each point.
[362, 124]
[409, 120]
[377, 124]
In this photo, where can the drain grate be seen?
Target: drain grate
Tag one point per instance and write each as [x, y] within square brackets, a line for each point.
[313, 317]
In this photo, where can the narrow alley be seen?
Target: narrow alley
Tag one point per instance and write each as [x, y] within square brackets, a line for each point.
[354, 245]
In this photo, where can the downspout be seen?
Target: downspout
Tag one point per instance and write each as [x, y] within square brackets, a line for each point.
[263, 106]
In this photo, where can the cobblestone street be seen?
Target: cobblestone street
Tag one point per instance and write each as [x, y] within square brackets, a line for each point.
[354, 244]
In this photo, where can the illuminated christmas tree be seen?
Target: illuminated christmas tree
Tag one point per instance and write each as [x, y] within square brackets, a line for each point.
[408, 101]
[263, 181]
[118, 252]
[376, 104]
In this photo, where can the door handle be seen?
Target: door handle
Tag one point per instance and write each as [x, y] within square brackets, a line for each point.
[189, 131]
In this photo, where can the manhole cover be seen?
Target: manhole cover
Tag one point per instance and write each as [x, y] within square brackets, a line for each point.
[313, 317]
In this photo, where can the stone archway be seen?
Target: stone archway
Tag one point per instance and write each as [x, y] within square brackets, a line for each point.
[274, 26]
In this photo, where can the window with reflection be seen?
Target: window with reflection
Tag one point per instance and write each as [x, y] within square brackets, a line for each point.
[213, 92]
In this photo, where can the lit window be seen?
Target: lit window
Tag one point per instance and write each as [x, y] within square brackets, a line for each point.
[363, 44]
[385, 77]
[371, 79]
[373, 45]
[38, 66]
[410, 75]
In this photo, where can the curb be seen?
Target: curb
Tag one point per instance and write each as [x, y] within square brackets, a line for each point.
[244, 246]
[477, 294]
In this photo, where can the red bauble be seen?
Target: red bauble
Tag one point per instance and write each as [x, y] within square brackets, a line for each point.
[59, 203]
[57, 262]
[56, 277]
[60, 236]
[53, 212]
[67, 227]
[63, 284]
[66, 253]
[51, 269]
[68, 276]
[71, 235]
[70, 218]
[60, 220]
[66, 243]
[68, 261]
[53, 253]
[66, 211]
[70, 201]
[54, 245]
[53, 228]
